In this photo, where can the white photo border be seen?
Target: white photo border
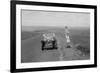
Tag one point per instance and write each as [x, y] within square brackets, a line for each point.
[51, 64]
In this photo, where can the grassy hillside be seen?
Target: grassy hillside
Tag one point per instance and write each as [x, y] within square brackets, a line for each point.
[31, 45]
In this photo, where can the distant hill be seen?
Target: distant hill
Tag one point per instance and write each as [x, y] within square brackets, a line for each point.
[34, 28]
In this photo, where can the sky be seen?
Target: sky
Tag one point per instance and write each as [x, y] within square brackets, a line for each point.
[54, 18]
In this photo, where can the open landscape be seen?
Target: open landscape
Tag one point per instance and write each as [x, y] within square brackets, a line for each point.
[31, 44]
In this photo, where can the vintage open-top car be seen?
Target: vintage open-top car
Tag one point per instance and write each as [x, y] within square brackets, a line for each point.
[49, 41]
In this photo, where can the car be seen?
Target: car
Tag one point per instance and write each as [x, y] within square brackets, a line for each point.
[49, 41]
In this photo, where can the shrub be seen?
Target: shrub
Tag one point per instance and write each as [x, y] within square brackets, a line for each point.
[83, 49]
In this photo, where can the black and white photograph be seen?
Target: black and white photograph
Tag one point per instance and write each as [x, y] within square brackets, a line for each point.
[53, 35]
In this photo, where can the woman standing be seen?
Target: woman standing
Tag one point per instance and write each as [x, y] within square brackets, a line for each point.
[67, 35]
